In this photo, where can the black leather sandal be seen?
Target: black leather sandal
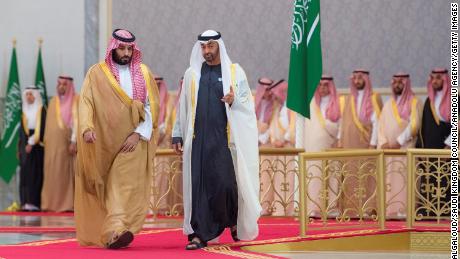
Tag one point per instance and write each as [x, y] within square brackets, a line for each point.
[234, 234]
[194, 245]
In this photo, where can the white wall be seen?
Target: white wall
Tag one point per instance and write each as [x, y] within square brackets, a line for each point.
[383, 36]
[105, 26]
[61, 25]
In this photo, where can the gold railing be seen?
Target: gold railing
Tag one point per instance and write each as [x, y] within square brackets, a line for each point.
[278, 174]
[396, 178]
[354, 179]
[356, 188]
[429, 187]
[166, 197]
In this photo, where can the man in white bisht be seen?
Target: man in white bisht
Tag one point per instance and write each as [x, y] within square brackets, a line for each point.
[399, 124]
[216, 132]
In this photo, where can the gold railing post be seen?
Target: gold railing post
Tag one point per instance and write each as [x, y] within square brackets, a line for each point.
[410, 189]
[381, 189]
[324, 190]
[302, 192]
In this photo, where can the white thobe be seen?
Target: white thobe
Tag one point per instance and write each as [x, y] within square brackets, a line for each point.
[144, 128]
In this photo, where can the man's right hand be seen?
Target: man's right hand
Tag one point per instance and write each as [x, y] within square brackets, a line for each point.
[178, 148]
[89, 136]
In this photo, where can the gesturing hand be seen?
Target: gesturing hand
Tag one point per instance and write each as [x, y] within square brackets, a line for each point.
[130, 143]
[228, 98]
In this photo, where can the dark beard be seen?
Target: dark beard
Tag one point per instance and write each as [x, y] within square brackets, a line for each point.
[397, 93]
[118, 60]
[209, 58]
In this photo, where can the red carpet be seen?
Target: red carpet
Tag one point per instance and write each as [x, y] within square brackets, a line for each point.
[41, 213]
[170, 243]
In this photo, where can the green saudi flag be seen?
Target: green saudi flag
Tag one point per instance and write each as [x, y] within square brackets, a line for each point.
[306, 66]
[12, 123]
[40, 78]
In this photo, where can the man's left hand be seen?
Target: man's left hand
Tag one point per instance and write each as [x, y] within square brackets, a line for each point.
[130, 143]
[29, 149]
[228, 98]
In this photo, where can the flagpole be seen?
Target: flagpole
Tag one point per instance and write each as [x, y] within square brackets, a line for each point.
[15, 205]
[299, 143]
[40, 44]
[299, 131]
[39, 74]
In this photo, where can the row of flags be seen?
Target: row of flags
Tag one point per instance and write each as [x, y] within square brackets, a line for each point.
[12, 114]
[305, 69]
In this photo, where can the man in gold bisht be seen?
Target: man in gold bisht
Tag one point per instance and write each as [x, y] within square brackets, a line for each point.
[358, 129]
[360, 113]
[61, 148]
[118, 116]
